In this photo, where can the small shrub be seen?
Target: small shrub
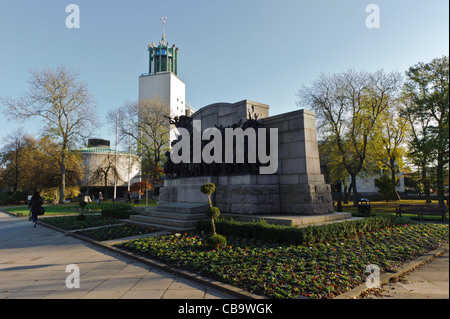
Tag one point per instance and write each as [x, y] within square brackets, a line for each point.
[386, 187]
[208, 188]
[82, 204]
[213, 212]
[216, 241]
[119, 213]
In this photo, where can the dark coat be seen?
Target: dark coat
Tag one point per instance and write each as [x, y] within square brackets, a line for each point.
[35, 204]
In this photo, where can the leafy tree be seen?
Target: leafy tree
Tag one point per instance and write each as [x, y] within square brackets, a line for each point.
[427, 109]
[140, 187]
[335, 171]
[421, 151]
[154, 176]
[388, 151]
[39, 162]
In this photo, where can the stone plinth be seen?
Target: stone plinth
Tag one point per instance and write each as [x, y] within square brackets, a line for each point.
[185, 190]
[250, 195]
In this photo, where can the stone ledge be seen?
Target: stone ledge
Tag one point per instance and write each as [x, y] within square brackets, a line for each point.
[293, 220]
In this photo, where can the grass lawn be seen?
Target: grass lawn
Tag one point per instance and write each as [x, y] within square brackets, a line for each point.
[49, 209]
[71, 208]
[315, 270]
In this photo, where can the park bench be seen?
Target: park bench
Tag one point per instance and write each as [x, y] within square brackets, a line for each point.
[420, 210]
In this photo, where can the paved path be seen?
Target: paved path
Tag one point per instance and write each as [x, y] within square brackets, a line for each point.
[33, 264]
[429, 281]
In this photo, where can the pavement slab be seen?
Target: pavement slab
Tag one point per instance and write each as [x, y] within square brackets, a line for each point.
[33, 265]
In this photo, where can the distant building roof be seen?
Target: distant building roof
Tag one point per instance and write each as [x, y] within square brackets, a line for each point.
[103, 150]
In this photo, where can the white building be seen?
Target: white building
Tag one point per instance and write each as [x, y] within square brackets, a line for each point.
[367, 186]
[99, 162]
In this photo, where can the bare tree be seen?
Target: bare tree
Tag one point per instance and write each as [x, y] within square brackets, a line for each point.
[348, 106]
[105, 173]
[63, 102]
[147, 124]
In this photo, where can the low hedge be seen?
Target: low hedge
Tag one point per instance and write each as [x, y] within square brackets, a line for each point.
[261, 230]
[72, 222]
[119, 213]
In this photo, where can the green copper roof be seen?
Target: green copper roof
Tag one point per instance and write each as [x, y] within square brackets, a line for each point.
[100, 150]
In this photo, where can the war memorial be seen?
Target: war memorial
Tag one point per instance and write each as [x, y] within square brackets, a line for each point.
[290, 191]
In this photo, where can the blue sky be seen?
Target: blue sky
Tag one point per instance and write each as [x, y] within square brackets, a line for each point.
[229, 50]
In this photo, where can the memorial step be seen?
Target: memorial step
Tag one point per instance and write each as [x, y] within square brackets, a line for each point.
[158, 226]
[156, 212]
[186, 224]
[172, 216]
[182, 207]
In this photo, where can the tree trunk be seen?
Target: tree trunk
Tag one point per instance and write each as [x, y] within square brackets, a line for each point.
[394, 191]
[16, 175]
[62, 185]
[440, 177]
[355, 191]
[105, 190]
[347, 192]
[426, 185]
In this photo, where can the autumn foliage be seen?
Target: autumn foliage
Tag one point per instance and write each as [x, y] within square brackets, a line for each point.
[140, 187]
[155, 176]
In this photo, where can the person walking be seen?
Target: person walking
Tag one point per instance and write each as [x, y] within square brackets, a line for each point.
[35, 206]
[100, 197]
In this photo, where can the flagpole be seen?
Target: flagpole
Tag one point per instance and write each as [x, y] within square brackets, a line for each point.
[115, 165]
[129, 160]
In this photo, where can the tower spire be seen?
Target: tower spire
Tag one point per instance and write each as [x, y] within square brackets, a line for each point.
[163, 22]
[162, 58]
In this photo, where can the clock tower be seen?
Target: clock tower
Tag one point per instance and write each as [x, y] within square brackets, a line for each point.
[162, 79]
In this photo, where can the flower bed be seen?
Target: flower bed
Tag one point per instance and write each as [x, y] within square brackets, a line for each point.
[117, 231]
[71, 222]
[319, 270]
